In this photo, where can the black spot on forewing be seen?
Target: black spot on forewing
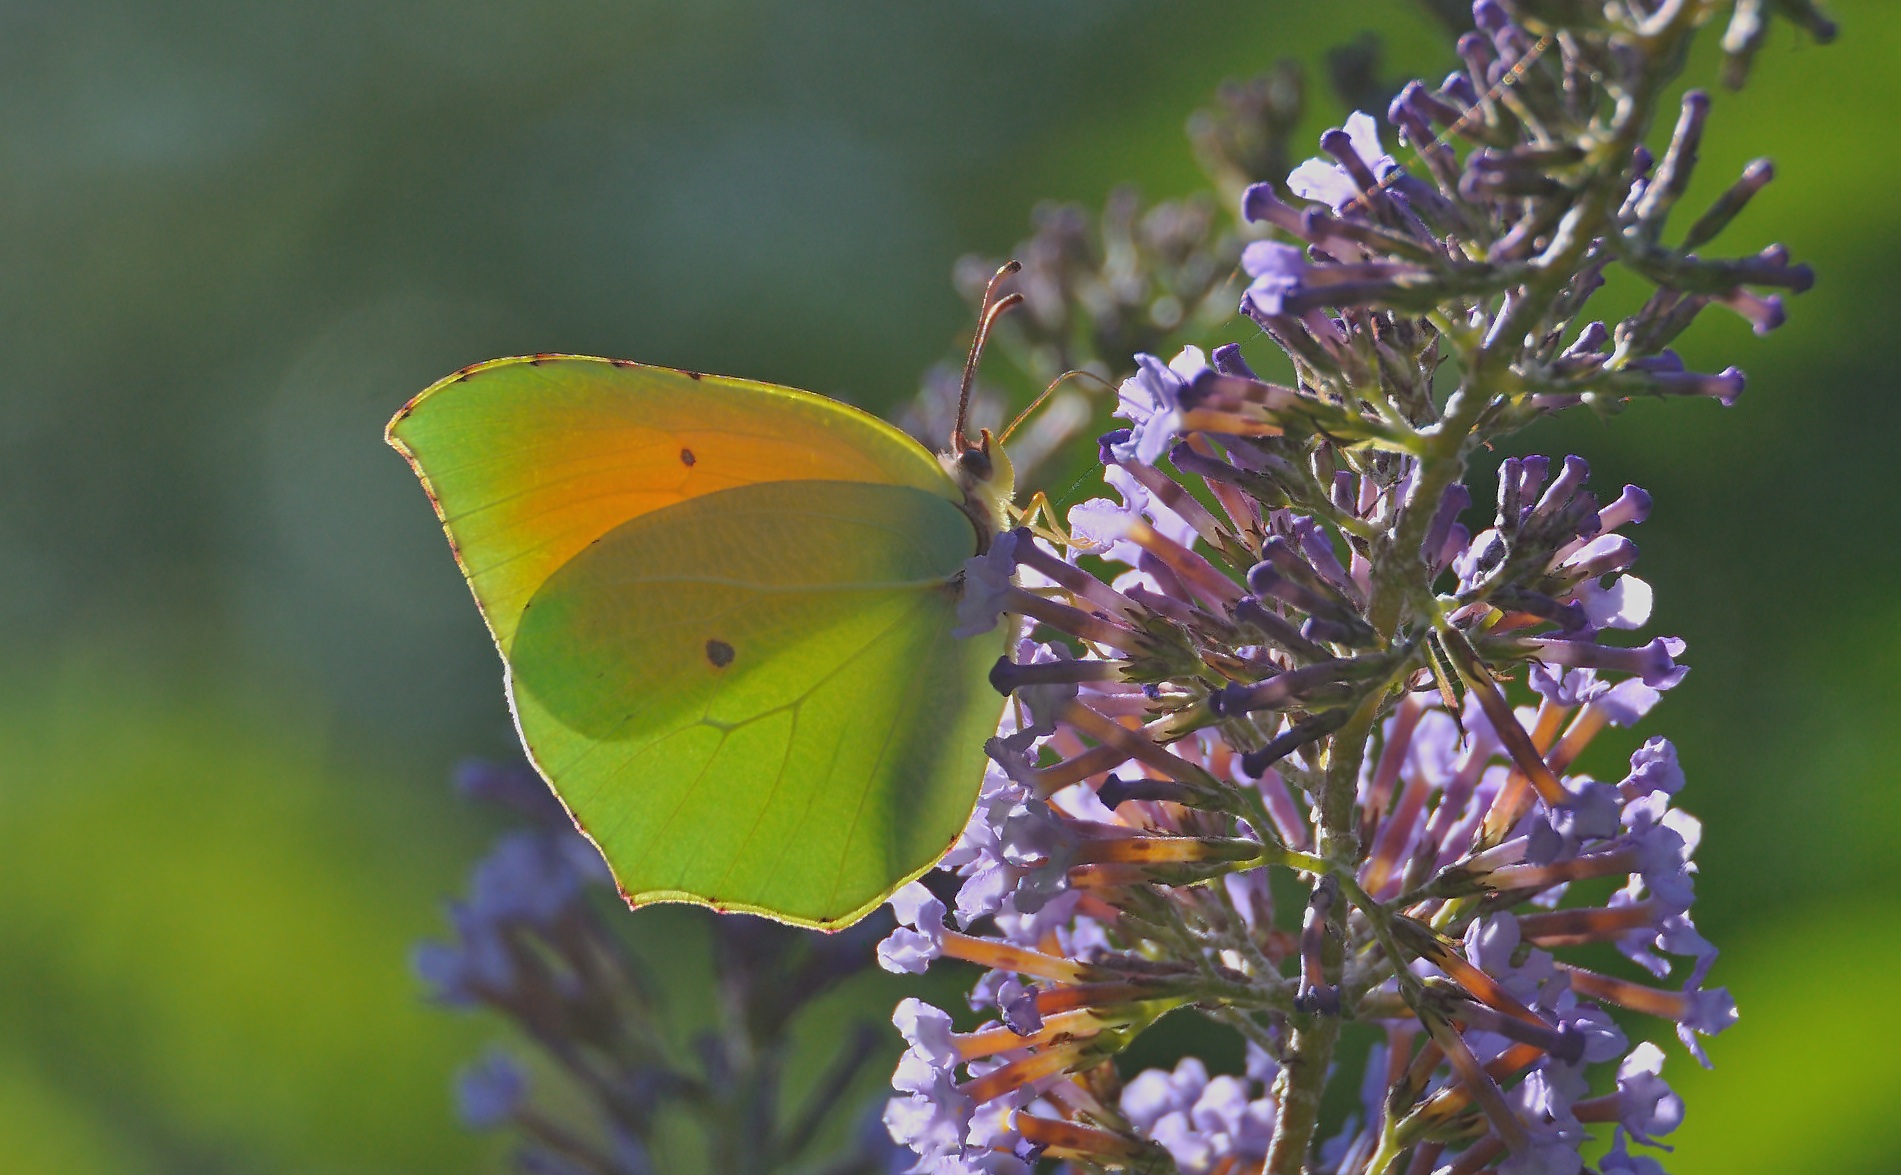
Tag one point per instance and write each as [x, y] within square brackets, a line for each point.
[719, 653]
[687, 458]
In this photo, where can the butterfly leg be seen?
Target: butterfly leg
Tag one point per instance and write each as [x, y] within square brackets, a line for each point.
[1039, 515]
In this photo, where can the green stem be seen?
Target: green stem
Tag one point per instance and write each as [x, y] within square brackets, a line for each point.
[1303, 1076]
[1302, 1080]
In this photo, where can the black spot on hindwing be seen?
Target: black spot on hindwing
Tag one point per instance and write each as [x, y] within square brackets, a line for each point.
[719, 653]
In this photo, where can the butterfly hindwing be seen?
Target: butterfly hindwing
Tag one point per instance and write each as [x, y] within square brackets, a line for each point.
[752, 699]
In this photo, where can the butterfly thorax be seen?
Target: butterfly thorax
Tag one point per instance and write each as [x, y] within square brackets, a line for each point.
[983, 471]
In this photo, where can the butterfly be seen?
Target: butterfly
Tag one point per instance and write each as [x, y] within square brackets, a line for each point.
[725, 612]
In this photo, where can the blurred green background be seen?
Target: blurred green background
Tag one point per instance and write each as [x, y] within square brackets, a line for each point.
[234, 238]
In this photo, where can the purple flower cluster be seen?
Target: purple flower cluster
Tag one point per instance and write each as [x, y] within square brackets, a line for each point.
[1120, 869]
[1277, 654]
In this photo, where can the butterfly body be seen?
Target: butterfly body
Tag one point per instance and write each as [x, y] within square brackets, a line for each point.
[725, 610]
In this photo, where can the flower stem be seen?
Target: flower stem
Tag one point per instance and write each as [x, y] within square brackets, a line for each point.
[1310, 1048]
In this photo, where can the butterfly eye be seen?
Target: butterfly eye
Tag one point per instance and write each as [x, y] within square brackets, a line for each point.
[975, 462]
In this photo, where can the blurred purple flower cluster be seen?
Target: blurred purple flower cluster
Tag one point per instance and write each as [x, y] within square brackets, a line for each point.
[531, 946]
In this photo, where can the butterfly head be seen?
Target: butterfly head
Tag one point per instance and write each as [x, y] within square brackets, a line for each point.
[983, 471]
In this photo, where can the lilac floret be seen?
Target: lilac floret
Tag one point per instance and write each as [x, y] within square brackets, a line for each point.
[1677, 935]
[1490, 16]
[1625, 604]
[1277, 271]
[1262, 1067]
[1016, 1001]
[1565, 687]
[1603, 1039]
[1491, 943]
[1194, 1152]
[1044, 700]
[933, 1124]
[989, 579]
[909, 949]
[1151, 401]
[1550, 1091]
[1222, 1107]
[1647, 1105]
[1100, 525]
[527, 878]
[1706, 1010]
[927, 1030]
[1324, 180]
[1653, 768]
[1155, 1092]
[1606, 554]
[1619, 1161]
[482, 966]
[1665, 866]
[489, 1091]
[1626, 702]
[1592, 813]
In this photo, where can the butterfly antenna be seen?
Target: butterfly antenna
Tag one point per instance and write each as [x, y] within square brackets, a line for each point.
[993, 307]
[1038, 402]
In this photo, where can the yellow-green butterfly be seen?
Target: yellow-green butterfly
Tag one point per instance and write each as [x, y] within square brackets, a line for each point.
[725, 611]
